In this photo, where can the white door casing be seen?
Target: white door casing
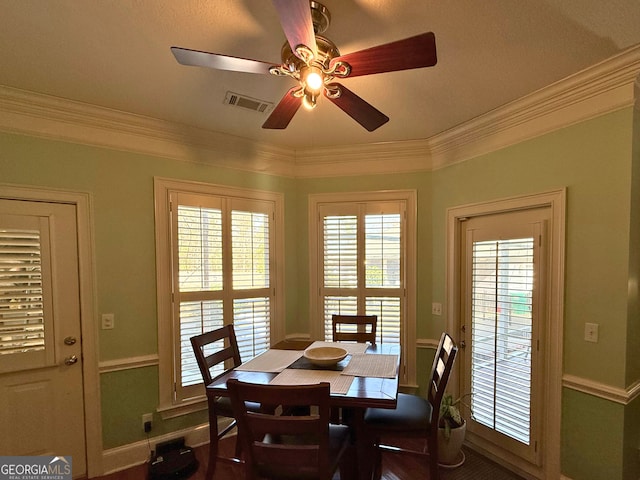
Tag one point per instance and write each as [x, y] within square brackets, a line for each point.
[551, 333]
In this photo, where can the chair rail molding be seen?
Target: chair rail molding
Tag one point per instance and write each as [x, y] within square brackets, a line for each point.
[119, 364]
[623, 396]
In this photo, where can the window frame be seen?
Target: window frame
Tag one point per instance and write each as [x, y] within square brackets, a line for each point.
[408, 329]
[169, 405]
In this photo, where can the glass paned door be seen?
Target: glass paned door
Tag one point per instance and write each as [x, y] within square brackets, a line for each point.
[501, 319]
[501, 324]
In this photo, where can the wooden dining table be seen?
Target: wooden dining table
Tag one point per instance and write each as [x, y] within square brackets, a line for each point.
[363, 393]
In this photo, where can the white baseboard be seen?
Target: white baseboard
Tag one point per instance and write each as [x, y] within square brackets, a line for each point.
[132, 454]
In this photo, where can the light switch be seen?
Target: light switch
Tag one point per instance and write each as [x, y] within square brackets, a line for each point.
[108, 321]
[591, 332]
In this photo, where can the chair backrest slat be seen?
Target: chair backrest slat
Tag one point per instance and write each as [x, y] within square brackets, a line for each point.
[226, 352]
[354, 328]
[440, 373]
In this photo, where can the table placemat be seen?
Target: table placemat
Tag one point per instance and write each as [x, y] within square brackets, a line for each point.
[379, 366]
[340, 384]
[271, 361]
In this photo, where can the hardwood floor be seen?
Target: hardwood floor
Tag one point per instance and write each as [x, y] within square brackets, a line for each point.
[394, 467]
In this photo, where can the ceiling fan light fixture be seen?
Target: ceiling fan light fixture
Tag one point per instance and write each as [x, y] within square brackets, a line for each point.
[309, 100]
[313, 79]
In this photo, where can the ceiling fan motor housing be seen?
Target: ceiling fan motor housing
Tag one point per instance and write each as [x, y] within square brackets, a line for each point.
[327, 50]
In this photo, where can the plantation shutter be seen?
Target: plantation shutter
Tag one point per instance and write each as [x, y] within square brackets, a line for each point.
[502, 288]
[200, 277]
[21, 303]
[26, 327]
[362, 264]
[223, 254]
[250, 244]
[383, 271]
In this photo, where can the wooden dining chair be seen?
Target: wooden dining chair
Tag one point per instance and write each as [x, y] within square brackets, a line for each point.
[218, 350]
[278, 446]
[354, 328]
[416, 416]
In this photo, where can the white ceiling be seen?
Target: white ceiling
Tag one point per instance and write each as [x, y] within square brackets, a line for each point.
[115, 54]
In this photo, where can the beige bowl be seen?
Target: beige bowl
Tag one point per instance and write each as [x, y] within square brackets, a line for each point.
[325, 356]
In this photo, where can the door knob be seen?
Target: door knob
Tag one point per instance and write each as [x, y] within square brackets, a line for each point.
[70, 360]
[70, 340]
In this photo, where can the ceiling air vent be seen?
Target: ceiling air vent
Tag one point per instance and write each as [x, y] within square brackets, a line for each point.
[238, 100]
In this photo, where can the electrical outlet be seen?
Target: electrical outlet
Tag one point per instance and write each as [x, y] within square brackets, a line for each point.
[147, 422]
[436, 308]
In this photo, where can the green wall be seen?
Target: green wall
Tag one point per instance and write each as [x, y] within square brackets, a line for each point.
[121, 185]
[593, 159]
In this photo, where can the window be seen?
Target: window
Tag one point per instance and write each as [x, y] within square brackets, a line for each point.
[501, 326]
[217, 250]
[361, 247]
[26, 339]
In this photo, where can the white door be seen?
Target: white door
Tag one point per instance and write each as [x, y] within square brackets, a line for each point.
[503, 317]
[41, 390]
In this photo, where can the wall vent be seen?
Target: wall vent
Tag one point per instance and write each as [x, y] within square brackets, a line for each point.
[238, 100]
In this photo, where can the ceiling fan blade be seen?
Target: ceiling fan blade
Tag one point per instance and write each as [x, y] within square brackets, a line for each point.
[412, 52]
[295, 18]
[196, 58]
[354, 106]
[284, 111]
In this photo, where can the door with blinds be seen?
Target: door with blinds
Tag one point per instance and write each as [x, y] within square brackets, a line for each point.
[501, 325]
[362, 264]
[41, 387]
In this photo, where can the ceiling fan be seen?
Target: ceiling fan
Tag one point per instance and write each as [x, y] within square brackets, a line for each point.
[314, 62]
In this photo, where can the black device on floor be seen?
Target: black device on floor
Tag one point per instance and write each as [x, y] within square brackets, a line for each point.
[172, 460]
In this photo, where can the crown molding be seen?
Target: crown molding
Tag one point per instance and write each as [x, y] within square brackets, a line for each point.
[40, 115]
[373, 158]
[603, 88]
